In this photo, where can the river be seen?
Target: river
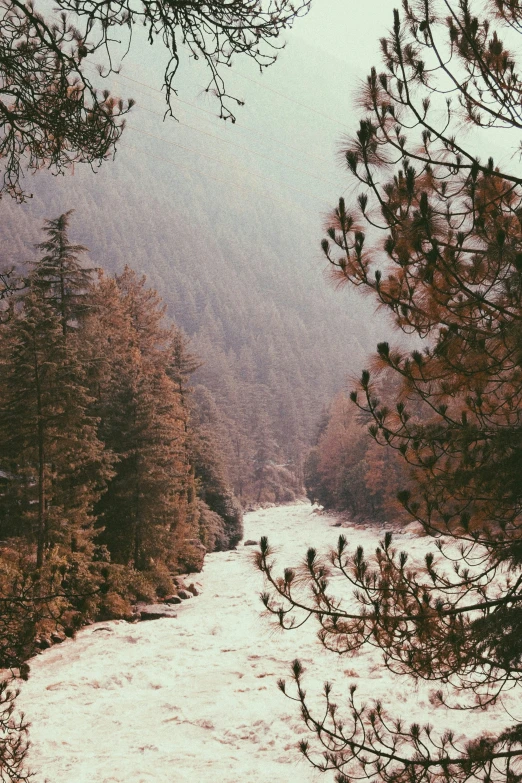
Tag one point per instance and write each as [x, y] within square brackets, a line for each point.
[194, 699]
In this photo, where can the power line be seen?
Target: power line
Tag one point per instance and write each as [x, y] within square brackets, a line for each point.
[240, 125]
[289, 98]
[225, 141]
[259, 84]
[240, 147]
[215, 160]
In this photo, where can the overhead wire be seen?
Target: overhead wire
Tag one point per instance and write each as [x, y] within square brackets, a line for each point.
[263, 87]
[240, 147]
[160, 97]
[289, 98]
[219, 138]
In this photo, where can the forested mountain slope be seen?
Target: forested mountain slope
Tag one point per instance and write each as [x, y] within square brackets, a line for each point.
[232, 247]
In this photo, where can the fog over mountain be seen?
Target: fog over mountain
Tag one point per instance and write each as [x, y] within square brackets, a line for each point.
[225, 220]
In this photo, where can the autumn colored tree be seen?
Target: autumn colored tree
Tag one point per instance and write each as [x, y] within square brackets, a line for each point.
[210, 471]
[148, 512]
[341, 461]
[126, 404]
[347, 471]
[448, 270]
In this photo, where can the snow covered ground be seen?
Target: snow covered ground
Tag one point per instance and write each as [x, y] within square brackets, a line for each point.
[194, 699]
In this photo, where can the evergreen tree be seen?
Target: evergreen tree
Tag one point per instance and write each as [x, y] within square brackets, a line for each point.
[212, 478]
[13, 737]
[146, 508]
[59, 275]
[347, 471]
[452, 274]
[58, 466]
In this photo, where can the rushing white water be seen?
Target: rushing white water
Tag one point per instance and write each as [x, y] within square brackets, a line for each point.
[194, 699]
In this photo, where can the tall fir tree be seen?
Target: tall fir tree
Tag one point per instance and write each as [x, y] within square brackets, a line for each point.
[59, 274]
[144, 512]
[50, 446]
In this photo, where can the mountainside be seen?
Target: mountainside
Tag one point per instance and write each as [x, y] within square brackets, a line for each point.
[231, 244]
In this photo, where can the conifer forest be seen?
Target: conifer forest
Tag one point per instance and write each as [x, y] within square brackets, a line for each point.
[260, 391]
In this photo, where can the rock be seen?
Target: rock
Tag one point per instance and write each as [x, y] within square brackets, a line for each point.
[184, 594]
[414, 528]
[57, 638]
[157, 612]
[172, 599]
[337, 524]
[21, 673]
[154, 615]
[24, 671]
[250, 542]
[193, 589]
[43, 643]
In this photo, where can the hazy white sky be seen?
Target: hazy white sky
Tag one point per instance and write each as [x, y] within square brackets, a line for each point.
[347, 29]
[306, 100]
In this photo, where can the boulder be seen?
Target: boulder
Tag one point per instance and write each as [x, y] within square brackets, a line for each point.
[57, 638]
[250, 542]
[172, 599]
[193, 589]
[157, 612]
[19, 673]
[43, 643]
[24, 671]
[184, 594]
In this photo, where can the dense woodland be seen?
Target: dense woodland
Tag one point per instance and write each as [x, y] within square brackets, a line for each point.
[111, 480]
[267, 393]
[348, 471]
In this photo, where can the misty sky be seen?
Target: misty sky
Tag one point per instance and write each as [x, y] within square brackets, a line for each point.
[347, 29]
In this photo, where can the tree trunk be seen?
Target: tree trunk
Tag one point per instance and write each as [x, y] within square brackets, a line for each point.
[42, 512]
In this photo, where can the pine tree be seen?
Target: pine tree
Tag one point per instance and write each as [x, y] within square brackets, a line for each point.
[58, 465]
[212, 476]
[341, 462]
[144, 512]
[449, 270]
[59, 275]
[13, 737]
